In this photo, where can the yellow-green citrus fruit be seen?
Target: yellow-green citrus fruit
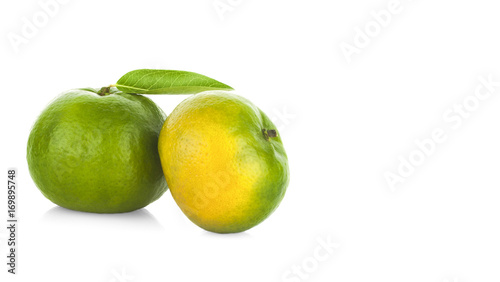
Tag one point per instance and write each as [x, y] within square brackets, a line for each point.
[224, 161]
[96, 153]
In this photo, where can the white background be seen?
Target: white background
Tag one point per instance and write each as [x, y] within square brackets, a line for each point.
[344, 125]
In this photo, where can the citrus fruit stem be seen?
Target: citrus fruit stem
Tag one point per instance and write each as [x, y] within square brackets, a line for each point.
[271, 133]
[104, 91]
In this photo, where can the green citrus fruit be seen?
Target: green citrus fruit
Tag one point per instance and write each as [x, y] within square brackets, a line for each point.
[98, 152]
[224, 161]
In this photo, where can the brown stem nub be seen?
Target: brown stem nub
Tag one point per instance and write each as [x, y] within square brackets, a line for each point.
[272, 133]
[104, 91]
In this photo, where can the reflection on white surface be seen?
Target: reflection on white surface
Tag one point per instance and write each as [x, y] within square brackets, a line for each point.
[228, 236]
[140, 219]
[104, 243]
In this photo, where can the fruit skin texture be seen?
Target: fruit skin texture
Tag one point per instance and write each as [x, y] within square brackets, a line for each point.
[98, 153]
[222, 171]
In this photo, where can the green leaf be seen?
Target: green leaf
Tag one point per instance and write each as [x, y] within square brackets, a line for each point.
[148, 81]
